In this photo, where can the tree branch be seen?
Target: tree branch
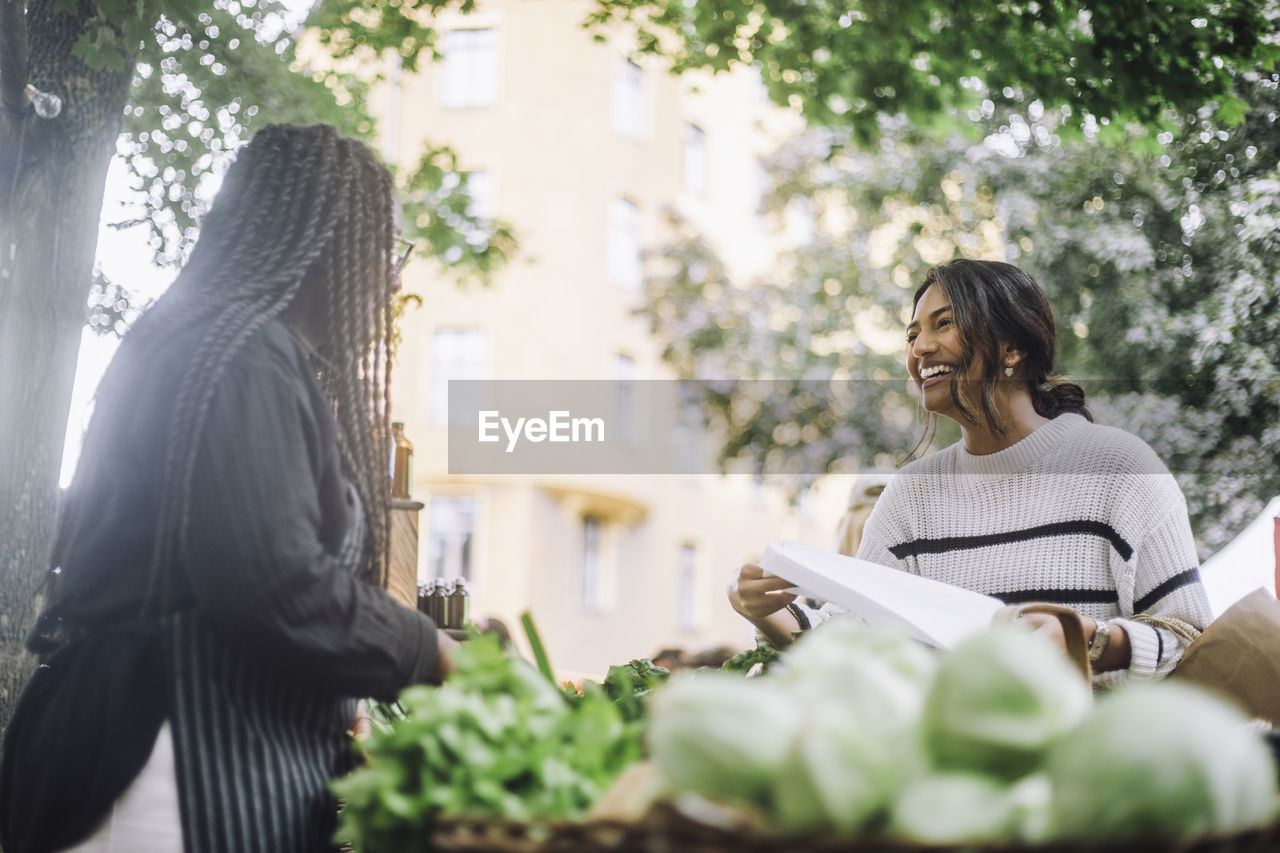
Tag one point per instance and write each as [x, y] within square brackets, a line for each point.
[13, 54]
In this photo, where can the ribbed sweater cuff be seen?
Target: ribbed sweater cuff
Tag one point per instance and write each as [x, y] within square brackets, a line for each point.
[1144, 648]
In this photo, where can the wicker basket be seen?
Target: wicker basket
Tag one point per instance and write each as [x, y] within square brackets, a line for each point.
[666, 831]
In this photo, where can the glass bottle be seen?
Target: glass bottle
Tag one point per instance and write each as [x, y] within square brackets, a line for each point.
[459, 604]
[401, 462]
[446, 605]
[449, 609]
[436, 601]
[425, 593]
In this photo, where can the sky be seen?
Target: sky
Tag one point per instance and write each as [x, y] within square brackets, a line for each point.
[125, 258]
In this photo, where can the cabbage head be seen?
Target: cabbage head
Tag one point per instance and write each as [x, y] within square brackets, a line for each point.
[965, 808]
[842, 774]
[999, 701]
[1161, 760]
[721, 735]
[874, 674]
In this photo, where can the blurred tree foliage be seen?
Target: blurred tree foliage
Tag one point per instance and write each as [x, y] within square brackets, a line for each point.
[173, 86]
[1163, 267]
[844, 64]
[209, 74]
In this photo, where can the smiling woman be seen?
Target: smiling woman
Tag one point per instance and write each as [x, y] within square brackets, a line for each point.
[988, 326]
[1036, 502]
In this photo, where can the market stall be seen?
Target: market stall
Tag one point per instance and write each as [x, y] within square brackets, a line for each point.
[858, 739]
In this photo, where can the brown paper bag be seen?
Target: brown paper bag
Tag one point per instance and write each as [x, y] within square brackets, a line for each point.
[1238, 656]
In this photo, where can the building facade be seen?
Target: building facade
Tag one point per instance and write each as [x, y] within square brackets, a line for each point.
[583, 149]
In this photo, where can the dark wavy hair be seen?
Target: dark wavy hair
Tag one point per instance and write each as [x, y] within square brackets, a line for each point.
[303, 216]
[994, 303]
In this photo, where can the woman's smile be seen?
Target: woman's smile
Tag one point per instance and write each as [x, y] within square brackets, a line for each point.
[935, 374]
[934, 350]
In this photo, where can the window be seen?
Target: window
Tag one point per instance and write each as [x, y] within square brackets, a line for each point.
[689, 432]
[455, 354]
[590, 581]
[695, 159]
[624, 244]
[628, 98]
[471, 67]
[450, 527]
[687, 588]
[624, 375]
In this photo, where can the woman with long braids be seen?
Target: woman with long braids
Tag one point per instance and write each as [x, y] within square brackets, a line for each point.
[215, 608]
[1036, 502]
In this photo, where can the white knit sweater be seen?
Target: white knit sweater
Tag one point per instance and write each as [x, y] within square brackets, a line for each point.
[1075, 513]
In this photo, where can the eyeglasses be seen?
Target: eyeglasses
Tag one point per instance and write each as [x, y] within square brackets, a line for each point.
[400, 257]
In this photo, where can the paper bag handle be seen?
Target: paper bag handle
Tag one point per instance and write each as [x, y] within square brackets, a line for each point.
[1072, 630]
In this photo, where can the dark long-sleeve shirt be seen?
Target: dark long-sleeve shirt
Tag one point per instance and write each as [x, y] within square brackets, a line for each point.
[267, 631]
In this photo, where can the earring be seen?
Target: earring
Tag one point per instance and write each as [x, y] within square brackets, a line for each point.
[1008, 371]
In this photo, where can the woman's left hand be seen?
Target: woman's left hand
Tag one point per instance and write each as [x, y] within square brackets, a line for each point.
[361, 727]
[1046, 625]
[1116, 655]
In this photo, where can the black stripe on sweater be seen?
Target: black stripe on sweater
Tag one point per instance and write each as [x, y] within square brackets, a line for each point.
[1176, 582]
[1059, 596]
[1059, 528]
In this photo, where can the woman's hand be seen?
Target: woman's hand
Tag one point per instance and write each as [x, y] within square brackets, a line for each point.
[361, 727]
[445, 647]
[762, 601]
[1048, 626]
[755, 595]
[1116, 655]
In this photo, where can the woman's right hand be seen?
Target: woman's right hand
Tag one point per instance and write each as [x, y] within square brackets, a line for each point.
[762, 600]
[756, 595]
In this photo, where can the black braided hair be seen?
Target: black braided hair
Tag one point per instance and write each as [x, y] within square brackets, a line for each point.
[304, 214]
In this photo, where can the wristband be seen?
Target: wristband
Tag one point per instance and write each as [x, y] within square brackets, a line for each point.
[1101, 639]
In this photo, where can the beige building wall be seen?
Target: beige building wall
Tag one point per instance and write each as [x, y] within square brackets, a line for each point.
[547, 140]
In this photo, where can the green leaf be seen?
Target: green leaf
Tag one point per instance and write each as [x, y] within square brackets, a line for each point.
[535, 645]
[1231, 111]
[921, 59]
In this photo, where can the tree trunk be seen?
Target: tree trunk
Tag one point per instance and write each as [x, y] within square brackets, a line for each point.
[52, 176]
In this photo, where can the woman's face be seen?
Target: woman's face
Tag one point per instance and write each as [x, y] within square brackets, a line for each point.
[934, 353]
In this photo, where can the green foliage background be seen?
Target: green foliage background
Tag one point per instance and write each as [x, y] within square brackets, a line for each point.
[847, 64]
[1124, 150]
[208, 75]
[1162, 264]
